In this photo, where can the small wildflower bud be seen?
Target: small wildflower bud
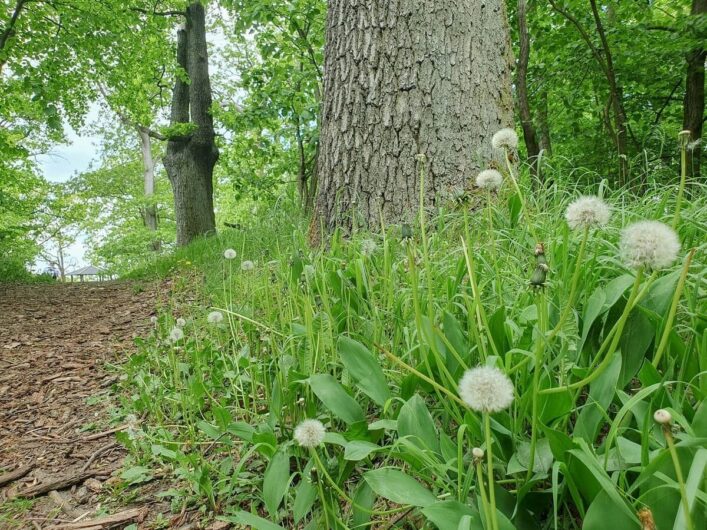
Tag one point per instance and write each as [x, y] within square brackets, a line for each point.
[181, 322]
[486, 389]
[505, 139]
[477, 453]
[645, 515]
[684, 136]
[489, 179]
[662, 417]
[310, 433]
[247, 265]
[650, 244]
[229, 254]
[215, 317]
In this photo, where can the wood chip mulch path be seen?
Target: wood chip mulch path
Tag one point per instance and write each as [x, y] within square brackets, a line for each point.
[56, 443]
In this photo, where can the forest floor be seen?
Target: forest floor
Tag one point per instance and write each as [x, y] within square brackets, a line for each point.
[59, 459]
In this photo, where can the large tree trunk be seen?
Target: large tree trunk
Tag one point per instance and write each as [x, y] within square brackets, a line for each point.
[694, 102]
[526, 119]
[192, 153]
[544, 123]
[403, 79]
[149, 213]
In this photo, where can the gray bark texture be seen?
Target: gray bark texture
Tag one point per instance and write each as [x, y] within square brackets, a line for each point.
[403, 78]
[694, 102]
[190, 159]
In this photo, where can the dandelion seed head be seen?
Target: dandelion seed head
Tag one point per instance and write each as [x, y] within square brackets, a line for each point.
[505, 139]
[181, 322]
[486, 389]
[662, 416]
[489, 179]
[176, 334]
[477, 452]
[309, 271]
[587, 212]
[247, 265]
[215, 317]
[153, 319]
[310, 433]
[229, 253]
[368, 247]
[650, 244]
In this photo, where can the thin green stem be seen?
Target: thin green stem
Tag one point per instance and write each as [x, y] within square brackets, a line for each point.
[482, 492]
[489, 454]
[678, 473]
[683, 178]
[541, 305]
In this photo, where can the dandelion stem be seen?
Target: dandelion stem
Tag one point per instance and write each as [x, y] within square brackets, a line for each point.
[523, 205]
[673, 309]
[482, 492]
[541, 305]
[489, 454]
[573, 286]
[678, 474]
[683, 177]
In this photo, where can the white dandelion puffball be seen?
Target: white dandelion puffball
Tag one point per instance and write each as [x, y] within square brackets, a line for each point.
[477, 452]
[215, 317]
[309, 271]
[310, 433]
[247, 265]
[505, 139]
[368, 247]
[489, 179]
[153, 320]
[181, 322]
[229, 254]
[586, 212]
[486, 389]
[650, 244]
[662, 416]
[176, 334]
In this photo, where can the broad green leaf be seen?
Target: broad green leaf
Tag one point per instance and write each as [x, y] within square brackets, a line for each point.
[359, 449]
[276, 481]
[448, 514]
[335, 398]
[398, 487]
[364, 369]
[252, 521]
[416, 422]
[604, 511]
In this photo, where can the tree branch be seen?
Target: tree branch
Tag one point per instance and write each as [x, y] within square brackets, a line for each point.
[160, 13]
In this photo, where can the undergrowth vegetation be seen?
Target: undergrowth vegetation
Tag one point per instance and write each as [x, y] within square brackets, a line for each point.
[371, 337]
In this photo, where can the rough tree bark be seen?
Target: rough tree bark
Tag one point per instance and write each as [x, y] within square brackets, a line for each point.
[694, 102]
[526, 119]
[403, 79]
[544, 123]
[192, 154]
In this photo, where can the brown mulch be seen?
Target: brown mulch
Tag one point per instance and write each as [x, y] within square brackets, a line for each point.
[55, 341]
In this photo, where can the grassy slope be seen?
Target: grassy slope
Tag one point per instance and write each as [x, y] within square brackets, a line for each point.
[221, 405]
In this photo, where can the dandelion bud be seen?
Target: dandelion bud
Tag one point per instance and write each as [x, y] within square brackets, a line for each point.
[505, 139]
[587, 212]
[486, 389]
[181, 322]
[662, 417]
[229, 254]
[176, 334]
[489, 179]
[215, 317]
[310, 433]
[650, 244]
[420, 157]
[477, 453]
[247, 265]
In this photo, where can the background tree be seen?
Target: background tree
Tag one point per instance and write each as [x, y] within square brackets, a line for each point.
[402, 81]
[191, 149]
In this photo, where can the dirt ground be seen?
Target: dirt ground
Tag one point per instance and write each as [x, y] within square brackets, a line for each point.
[55, 425]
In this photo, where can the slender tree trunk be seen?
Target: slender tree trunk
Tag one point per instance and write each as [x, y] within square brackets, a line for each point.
[544, 123]
[8, 30]
[149, 213]
[526, 119]
[403, 79]
[694, 102]
[616, 95]
[192, 154]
